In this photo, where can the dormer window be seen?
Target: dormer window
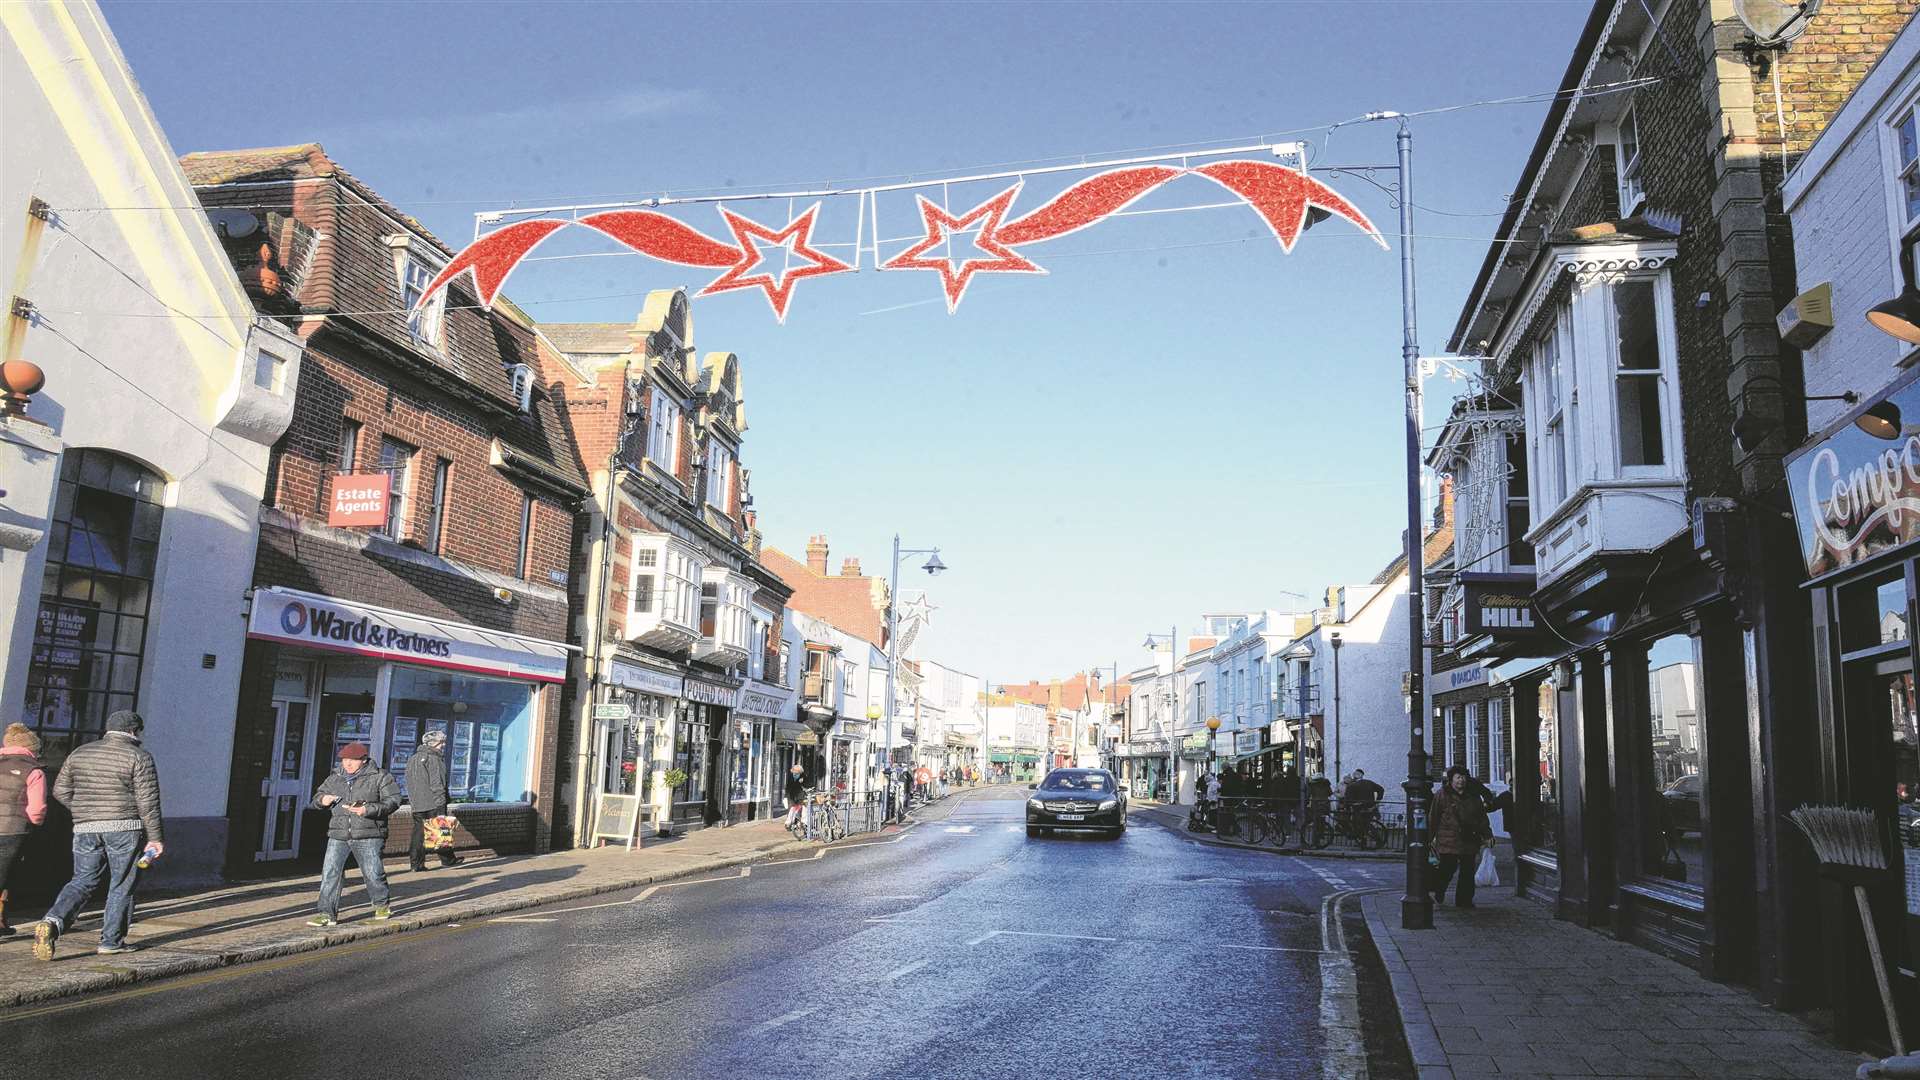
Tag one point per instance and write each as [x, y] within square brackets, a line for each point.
[1628, 164]
[663, 445]
[719, 477]
[415, 264]
[520, 380]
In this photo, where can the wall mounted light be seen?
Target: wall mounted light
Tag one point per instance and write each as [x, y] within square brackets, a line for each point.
[1881, 420]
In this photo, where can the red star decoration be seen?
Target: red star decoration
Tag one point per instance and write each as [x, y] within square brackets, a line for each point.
[778, 287]
[938, 223]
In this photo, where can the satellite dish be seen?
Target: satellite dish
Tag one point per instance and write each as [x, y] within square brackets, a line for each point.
[234, 224]
[1775, 22]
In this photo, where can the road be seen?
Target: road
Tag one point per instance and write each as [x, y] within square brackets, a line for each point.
[956, 948]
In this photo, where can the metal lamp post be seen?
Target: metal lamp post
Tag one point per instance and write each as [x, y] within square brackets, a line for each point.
[932, 566]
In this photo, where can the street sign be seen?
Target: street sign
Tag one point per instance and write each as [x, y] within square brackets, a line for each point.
[612, 712]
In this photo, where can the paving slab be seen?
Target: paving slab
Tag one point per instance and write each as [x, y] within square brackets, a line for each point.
[1507, 990]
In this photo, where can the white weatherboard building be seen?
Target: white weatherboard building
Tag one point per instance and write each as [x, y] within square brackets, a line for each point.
[130, 516]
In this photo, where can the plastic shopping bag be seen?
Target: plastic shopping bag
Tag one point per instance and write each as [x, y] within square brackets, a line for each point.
[1486, 875]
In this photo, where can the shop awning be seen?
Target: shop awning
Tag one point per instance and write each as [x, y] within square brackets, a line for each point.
[1000, 758]
[292, 617]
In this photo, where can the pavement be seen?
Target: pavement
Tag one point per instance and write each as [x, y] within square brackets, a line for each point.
[1507, 990]
[183, 933]
[956, 947]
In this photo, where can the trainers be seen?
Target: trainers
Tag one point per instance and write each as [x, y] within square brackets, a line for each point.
[114, 950]
[382, 914]
[323, 920]
[44, 935]
[8, 931]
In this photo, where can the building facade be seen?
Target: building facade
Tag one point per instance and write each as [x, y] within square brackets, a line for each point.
[134, 475]
[413, 550]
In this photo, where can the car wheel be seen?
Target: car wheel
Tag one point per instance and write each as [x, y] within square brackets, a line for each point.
[1033, 831]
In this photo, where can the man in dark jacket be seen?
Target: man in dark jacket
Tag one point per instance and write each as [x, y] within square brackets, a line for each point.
[113, 791]
[427, 794]
[361, 796]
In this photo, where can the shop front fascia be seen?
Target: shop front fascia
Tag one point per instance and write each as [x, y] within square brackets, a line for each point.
[343, 673]
[631, 754]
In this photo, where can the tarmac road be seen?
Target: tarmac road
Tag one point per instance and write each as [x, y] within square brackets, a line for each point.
[956, 948]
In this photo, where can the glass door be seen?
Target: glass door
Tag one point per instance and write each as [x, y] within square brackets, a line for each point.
[287, 785]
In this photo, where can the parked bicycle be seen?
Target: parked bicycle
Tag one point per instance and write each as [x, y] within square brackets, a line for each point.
[1360, 825]
[1253, 821]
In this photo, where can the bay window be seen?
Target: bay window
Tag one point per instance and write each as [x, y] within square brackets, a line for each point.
[663, 591]
[1639, 387]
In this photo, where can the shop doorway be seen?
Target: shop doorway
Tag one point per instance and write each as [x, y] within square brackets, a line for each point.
[346, 717]
[289, 783]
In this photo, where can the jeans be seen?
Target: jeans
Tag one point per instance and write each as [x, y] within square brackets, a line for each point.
[1464, 865]
[96, 856]
[333, 872]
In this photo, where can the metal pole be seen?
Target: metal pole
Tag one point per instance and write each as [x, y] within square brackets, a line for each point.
[893, 661]
[1173, 713]
[1416, 907]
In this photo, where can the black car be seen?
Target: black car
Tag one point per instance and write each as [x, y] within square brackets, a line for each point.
[1088, 799]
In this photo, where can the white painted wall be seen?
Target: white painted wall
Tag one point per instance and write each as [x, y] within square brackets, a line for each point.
[1366, 725]
[124, 374]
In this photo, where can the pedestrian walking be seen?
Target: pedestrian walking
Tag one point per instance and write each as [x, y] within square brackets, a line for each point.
[113, 792]
[427, 794]
[1460, 829]
[23, 801]
[361, 795]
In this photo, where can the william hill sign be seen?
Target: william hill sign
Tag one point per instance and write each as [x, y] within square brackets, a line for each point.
[1498, 605]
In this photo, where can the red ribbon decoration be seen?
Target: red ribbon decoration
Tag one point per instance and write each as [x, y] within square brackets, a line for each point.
[1281, 196]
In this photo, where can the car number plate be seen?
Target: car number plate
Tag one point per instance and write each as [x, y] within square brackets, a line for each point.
[1073, 817]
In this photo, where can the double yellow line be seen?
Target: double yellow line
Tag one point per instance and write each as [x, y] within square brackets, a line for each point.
[223, 974]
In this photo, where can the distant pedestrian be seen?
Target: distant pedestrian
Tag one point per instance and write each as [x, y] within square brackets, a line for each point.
[23, 801]
[361, 795]
[1319, 793]
[1460, 829]
[427, 794]
[113, 791]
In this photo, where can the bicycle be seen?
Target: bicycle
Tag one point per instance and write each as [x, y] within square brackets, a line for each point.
[1362, 826]
[828, 827]
[1253, 823]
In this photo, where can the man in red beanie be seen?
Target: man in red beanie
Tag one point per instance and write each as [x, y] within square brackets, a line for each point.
[361, 794]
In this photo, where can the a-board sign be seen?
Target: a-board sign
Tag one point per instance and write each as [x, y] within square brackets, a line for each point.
[615, 711]
[618, 819]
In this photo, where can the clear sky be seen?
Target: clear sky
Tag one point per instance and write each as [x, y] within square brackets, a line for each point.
[1178, 418]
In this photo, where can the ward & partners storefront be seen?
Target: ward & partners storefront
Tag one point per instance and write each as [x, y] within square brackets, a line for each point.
[322, 674]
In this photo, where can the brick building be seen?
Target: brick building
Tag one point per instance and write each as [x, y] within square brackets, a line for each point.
[450, 610]
[680, 621]
[843, 653]
[1626, 573]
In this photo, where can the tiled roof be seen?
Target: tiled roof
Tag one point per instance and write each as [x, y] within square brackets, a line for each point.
[849, 603]
[1438, 545]
[590, 337]
[352, 275]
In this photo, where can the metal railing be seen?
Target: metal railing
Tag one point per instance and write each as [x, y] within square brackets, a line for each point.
[1297, 700]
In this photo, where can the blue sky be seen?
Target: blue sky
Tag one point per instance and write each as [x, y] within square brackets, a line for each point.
[1177, 418]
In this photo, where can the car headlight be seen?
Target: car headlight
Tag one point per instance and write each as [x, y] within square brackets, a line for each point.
[1034, 804]
[1110, 804]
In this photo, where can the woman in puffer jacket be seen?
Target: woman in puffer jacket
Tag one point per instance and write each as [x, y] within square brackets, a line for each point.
[23, 801]
[1460, 829]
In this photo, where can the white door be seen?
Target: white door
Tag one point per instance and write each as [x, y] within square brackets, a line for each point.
[289, 781]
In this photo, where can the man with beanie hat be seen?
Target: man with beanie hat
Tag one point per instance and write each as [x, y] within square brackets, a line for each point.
[113, 792]
[361, 795]
[23, 801]
[427, 794]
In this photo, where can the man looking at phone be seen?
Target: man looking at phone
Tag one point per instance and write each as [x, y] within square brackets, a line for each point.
[361, 794]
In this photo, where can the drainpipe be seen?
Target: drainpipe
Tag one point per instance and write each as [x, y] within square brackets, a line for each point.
[1338, 769]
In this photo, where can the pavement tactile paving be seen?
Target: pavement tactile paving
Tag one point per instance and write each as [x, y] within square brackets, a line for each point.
[1508, 990]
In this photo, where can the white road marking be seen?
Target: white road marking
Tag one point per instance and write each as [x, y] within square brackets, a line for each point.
[780, 1021]
[907, 970]
[1218, 881]
[1346, 1047]
[959, 828]
[1035, 933]
[1276, 948]
[522, 918]
[908, 896]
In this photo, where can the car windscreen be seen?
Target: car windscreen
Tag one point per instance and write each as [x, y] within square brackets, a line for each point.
[1062, 780]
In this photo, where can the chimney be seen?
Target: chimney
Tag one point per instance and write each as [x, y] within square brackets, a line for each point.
[817, 554]
[848, 567]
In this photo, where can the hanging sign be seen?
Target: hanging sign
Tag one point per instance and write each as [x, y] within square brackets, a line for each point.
[357, 499]
[1856, 490]
[1498, 605]
[775, 259]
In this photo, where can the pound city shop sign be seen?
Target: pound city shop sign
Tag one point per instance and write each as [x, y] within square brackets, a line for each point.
[290, 617]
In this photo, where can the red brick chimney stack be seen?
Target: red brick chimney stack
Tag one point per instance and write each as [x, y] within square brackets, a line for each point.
[848, 567]
[817, 554]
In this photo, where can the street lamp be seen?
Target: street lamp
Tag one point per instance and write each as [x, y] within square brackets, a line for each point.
[1213, 732]
[1173, 704]
[933, 566]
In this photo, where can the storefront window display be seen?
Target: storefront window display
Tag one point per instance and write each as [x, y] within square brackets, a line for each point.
[1674, 847]
[749, 749]
[1545, 838]
[840, 765]
[487, 722]
[690, 757]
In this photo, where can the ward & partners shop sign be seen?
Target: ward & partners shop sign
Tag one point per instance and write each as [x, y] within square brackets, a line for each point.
[291, 617]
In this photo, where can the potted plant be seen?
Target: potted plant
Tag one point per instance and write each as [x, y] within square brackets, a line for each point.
[673, 778]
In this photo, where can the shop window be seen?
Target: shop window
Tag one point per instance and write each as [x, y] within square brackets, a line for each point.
[1545, 827]
[488, 724]
[1499, 740]
[1457, 721]
[89, 638]
[1874, 613]
[1675, 844]
[1477, 741]
[690, 756]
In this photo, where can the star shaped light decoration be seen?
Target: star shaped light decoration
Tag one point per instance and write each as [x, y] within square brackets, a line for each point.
[939, 224]
[796, 237]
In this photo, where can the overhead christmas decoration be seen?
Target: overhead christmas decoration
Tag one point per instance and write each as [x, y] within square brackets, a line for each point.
[775, 260]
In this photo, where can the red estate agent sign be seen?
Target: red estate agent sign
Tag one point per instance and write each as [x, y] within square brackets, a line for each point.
[357, 499]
